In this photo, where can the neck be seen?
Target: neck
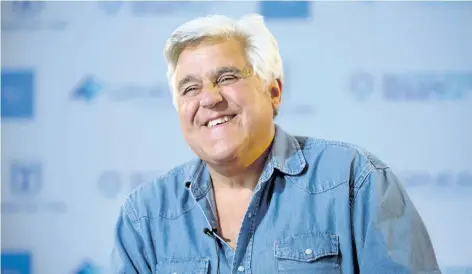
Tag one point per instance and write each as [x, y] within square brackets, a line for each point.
[242, 175]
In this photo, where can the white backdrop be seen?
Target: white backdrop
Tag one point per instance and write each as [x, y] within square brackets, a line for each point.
[86, 113]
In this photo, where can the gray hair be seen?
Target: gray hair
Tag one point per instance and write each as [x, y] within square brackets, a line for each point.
[262, 50]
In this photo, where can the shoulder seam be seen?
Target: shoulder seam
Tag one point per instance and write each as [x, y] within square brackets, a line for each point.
[364, 153]
[132, 215]
[360, 181]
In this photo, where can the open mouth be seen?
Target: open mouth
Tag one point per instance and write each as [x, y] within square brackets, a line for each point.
[219, 121]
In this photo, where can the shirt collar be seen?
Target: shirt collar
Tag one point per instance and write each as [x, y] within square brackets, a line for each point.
[285, 155]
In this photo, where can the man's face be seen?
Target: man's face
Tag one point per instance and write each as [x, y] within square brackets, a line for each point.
[226, 112]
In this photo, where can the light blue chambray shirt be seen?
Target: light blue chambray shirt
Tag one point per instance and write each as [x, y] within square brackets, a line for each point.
[319, 207]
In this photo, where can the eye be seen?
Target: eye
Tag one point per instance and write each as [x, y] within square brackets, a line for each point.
[227, 79]
[191, 89]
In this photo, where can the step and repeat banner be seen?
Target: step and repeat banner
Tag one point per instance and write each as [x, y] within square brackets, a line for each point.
[87, 114]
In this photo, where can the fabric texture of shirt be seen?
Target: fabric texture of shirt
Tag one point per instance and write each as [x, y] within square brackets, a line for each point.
[319, 207]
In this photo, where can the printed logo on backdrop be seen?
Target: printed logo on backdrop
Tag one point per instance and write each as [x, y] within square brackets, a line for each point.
[112, 183]
[412, 87]
[16, 262]
[87, 267]
[291, 103]
[25, 190]
[442, 179]
[111, 7]
[152, 8]
[90, 89]
[27, 8]
[26, 178]
[30, 16]
[361, 85]
[17, 89]
[286, 9]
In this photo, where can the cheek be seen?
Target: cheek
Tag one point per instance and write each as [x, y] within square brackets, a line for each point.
[187, 111]
[240, 94]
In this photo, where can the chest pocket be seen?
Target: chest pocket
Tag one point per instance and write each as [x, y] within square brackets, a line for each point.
[183, 265]
[308, 253]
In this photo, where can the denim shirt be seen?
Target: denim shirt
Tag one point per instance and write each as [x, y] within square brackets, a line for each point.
[319, 207]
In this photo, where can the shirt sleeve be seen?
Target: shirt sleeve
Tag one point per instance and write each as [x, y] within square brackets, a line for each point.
[128, 253]
[389, 234]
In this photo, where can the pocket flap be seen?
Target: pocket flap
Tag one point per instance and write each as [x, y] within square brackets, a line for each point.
[183, 265]
[307, 247]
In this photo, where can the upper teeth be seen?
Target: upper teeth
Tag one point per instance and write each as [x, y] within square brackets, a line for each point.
[218, 121]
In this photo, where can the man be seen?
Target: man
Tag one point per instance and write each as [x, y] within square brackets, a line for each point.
[258, 200]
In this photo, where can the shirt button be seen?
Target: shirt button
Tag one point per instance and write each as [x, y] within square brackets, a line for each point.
[308, 251]
[241, 268]
[249, 215]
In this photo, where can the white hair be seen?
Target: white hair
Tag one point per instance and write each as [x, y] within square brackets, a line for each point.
[261, 47]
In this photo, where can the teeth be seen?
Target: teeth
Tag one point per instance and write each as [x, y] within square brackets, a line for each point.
[218, 121]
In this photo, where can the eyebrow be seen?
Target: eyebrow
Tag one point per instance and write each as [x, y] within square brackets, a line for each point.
[222, 70]
[187, 79]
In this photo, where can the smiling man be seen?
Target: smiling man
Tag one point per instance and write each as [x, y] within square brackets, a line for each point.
[257, 199]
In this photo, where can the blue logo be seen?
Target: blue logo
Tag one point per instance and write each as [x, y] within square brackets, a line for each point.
[143, 8]
[25, 178]
[151, 8]
[17, 94]
[111, 7]
[87, 268]
[25, 185]
[112, 182]
[88, 88]
[419, 87]
[427, 86]
[461, 179]
[16, 262]
[91, 87]
[138, 178]
[286, 9]
[362, 85]
[29, 16]
[27, 8]
[109, 183]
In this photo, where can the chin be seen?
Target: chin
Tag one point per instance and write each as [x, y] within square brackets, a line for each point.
[222, 153]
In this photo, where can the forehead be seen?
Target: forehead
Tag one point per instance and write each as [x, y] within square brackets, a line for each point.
[210, 55]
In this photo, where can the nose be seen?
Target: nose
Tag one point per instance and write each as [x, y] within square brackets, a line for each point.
[210, 96]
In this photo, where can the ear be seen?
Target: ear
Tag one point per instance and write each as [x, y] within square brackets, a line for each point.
[276, 93]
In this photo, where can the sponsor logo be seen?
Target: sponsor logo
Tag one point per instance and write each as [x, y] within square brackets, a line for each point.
[361, 85]
[112, 183]
[293, 105]
[110, 7]
[153, 8]
[16, 262]
[87, 89]
[26, 178]
[412, 87]
[411, 179]
[25, 192]
[27, 8]
[285, 9]
[87, 267]
[91, 88]
[29, 16]
[17, 94]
